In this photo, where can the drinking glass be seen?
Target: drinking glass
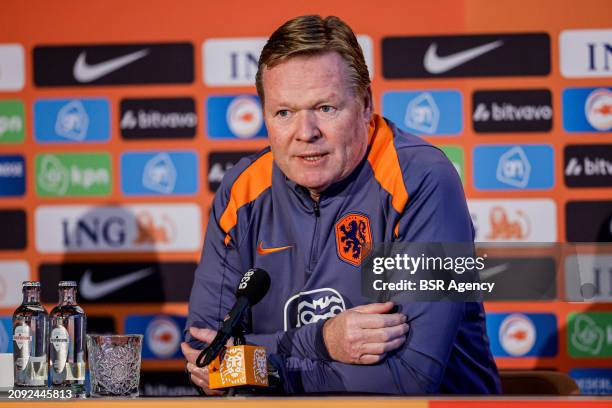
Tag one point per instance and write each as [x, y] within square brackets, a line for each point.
[114, 364]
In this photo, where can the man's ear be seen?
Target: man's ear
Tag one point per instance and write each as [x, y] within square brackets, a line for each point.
[368, 106]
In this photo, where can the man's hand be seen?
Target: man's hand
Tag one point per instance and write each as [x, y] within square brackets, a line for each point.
[364, 334]
[199, 376]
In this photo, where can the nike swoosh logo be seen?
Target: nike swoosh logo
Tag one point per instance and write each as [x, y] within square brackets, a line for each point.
[265, 251]
[84, 72]
[495, 270]
[95, 290]
[438, 65]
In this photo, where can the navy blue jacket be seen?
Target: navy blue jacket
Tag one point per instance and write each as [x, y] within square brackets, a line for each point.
[405, 189]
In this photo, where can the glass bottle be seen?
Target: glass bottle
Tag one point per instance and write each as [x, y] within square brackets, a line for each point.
[30, 339]
[67, 341]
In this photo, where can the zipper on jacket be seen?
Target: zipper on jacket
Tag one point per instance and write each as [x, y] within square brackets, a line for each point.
[315, 239]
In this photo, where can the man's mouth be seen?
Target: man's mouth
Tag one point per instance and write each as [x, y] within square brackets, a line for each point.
[312, 158]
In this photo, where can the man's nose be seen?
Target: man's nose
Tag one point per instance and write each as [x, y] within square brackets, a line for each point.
[307, 127]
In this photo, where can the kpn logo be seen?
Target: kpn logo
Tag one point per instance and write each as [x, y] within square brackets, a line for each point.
[456, 157]
[590, 334]
[73, 174]
[12, 122]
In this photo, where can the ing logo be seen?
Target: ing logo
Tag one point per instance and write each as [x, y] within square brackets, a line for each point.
[149, 232]
[353, 238]
[504, 226]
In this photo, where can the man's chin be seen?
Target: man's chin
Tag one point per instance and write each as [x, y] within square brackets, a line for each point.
[313, 186]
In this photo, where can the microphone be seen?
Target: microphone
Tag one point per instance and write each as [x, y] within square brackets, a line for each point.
[252, 288]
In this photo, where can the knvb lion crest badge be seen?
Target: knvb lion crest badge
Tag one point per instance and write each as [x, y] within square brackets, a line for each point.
[353, 238]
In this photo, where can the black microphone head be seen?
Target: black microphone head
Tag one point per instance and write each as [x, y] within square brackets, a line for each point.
[254, 285]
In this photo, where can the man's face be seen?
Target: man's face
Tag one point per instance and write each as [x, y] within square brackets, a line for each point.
[317, 126]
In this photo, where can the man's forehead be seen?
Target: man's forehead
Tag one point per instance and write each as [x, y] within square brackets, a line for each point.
[324, 75]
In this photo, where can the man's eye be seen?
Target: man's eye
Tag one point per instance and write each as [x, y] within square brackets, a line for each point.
[327, 109]
[284, 113]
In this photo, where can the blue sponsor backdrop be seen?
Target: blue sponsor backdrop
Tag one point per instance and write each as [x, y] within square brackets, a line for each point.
[72, 120]
[217, 123]
[575, 110]
[12, 175]
[159, 173]
[545, 344]
[163, 334]
[514, 167]
[427, 113]
[593, 380]
[6, 334]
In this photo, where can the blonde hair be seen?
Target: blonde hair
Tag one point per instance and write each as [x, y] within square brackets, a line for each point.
[311, 35]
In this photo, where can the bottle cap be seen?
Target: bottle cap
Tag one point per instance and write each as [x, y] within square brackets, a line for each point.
[67, 284]
[30, 284]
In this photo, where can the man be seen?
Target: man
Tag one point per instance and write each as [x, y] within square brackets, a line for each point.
[335, 178]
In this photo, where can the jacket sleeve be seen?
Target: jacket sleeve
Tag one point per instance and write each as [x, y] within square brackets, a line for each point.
[437, 212]
[216, 279]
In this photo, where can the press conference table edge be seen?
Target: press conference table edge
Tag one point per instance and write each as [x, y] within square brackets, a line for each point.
[325, 401]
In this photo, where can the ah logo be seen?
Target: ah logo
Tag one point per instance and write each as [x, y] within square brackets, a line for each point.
[72, 121]
[75, 120]
[514, 168]
[159, 174]
[151, 173]
[507, 167]
[353, 238]
[430, 113]
[312, 306]
[423, 114]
